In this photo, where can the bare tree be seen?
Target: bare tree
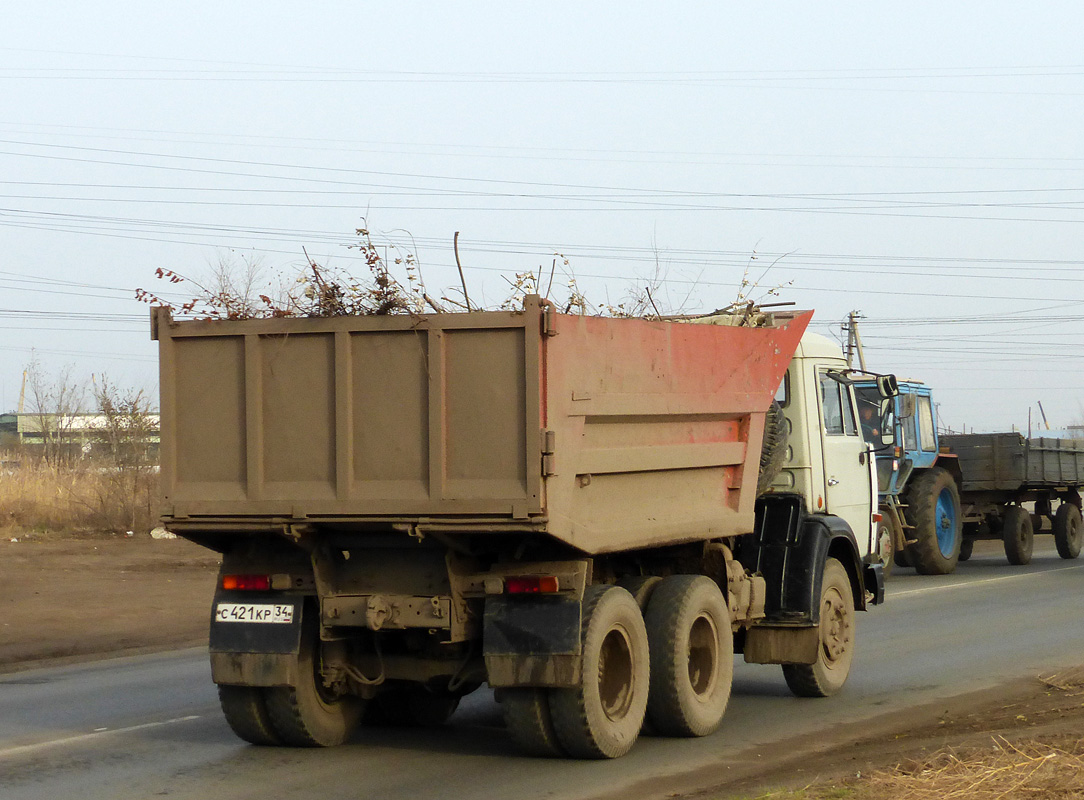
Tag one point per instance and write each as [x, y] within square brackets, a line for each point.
[126, 425]
[55, 406]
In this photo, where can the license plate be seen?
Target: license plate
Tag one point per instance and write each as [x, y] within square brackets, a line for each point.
[281, 613]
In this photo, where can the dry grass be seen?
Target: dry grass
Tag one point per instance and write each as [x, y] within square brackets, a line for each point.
[1039, 768]
[87, 497]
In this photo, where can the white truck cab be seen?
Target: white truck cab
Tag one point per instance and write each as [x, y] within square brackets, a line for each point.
[827, 461]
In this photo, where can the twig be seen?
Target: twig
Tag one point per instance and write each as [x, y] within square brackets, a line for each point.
[463, 280]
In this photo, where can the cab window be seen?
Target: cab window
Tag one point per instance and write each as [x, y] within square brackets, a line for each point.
[925, 424]
[836, 407]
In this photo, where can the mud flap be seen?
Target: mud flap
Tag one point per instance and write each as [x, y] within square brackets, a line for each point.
[766, 645]
[532, 641]
[255, 638]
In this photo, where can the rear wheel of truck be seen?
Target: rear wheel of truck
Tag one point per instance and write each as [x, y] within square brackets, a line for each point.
[1068, 530]
[1018, 536]
[827, 675]
[933, 504]
[246, 714]
[602, 716]
[310, 714]
[526, 712]
[692, 656]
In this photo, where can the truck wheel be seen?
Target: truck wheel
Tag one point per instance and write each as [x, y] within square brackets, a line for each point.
[692, 656]
[933, 503]
[828, 674]
[1017, 535]
[309, 715]
[774, 448]
[967, 547]
[886, 547]
[1068, 530]
[246, 713]
[602, 716]
[526, 712]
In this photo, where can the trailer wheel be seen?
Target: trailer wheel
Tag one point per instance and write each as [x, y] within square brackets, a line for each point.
[1018, 536]
[602, 716]
[526, 712]
[1068, 530]
[774, 448]
[692, 656]
[967, 547]
[246, 714]
[827, 675]
[309, 715]
[933, 503]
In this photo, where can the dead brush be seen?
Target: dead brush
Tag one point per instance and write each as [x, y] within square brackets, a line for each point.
[1070, 681]
[1038, 769]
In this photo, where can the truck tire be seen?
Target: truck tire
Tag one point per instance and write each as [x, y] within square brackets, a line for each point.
[692, 656]
[1068, 530]
[933, 504]
[1018, 536]
[774, 447]
[308, 715]
[526, 712]
[246, 714]
[827, 675]
[602, 716]
[967, 547]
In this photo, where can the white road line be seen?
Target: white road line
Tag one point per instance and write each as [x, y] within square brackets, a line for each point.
[98, 732]
[962, 584]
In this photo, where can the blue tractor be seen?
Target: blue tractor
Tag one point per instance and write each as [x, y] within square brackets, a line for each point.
[918, 485]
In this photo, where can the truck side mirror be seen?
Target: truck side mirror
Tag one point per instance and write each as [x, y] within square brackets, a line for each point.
[887, 385]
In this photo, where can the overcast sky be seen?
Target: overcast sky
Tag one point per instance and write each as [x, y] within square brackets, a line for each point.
[920, 163]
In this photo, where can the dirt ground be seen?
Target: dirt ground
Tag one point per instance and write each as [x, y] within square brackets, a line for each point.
[65, 598]
[74, 598]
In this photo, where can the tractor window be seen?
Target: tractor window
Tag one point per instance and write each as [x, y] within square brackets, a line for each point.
[925, 424]
[909, 438]
[831, 407]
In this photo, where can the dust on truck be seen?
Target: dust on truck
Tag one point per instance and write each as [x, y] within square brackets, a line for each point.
[563, 507]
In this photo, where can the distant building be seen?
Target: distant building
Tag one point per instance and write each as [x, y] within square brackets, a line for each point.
[79, 434]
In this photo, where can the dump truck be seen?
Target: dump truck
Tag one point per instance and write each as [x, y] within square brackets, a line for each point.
[941, 492]
[563, 507]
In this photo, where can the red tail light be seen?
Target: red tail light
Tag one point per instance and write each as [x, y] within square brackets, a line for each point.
[531, 584]
[246, 583]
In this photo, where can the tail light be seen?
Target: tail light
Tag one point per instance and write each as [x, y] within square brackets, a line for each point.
[246, 583]
[531, 584]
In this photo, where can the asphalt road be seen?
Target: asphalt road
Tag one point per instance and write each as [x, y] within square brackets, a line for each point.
[150, 726]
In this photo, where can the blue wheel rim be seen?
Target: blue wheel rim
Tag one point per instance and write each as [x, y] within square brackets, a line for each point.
[945, 516]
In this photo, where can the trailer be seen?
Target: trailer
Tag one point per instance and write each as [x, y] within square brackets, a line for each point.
[1002, 471]
[562, 507]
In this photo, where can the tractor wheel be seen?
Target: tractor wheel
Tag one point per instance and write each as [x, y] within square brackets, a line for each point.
[933, 505]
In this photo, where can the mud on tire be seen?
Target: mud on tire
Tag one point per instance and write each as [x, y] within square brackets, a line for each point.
[1068, 530]
[1018, 536]
[246, 714]
[602, 716]
[837, 629]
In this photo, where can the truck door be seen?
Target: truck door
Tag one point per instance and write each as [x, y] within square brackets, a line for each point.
[848, 477]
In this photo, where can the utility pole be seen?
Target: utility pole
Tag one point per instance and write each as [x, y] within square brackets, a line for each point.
[854, 341]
